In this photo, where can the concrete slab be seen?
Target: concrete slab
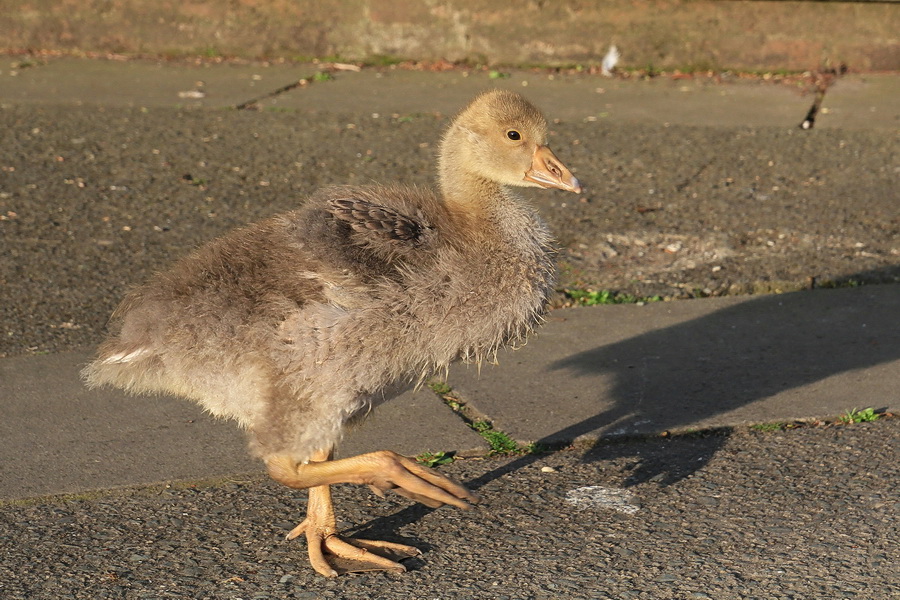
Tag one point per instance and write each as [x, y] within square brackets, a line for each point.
[145, 84]
[856, 101]
[689, 102]
[56, 436]
[413, 423]
[621, 370]
[859, 101]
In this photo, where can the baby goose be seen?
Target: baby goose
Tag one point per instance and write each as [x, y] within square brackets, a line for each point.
[298, 326]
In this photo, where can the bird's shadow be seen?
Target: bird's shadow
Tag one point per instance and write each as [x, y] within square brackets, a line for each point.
[709, 369]
[704, 367]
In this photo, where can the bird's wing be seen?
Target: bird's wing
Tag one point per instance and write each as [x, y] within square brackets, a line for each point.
[379, 224]
[370, 231]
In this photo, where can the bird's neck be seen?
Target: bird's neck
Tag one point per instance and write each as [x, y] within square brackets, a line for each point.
[470, 192]
[463, 190]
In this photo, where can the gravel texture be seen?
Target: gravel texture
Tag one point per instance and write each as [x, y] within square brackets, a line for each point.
[808, 513]
[93, 200]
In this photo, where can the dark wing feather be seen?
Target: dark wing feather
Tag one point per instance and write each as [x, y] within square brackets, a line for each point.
[379, 223]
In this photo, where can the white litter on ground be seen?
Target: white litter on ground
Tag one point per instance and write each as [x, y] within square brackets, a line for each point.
[594, 496]
[609, 61]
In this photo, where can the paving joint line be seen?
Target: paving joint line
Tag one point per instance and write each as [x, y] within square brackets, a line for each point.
[823, 80]
[479, 422]
[253, 104]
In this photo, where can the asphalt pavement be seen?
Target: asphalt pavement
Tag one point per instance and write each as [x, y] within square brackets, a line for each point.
[654, 400]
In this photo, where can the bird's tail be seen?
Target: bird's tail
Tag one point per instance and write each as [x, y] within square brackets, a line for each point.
[132, 369]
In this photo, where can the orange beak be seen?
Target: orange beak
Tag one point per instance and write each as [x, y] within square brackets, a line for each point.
[549, 172]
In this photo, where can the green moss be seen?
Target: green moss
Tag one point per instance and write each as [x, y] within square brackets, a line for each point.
[592, 298]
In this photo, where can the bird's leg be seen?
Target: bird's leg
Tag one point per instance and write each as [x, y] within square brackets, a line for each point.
[331, 555]
[328, 553]
[382, 471]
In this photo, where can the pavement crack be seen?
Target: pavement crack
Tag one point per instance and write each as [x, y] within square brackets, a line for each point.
[681, 186]
[822, 80]
[253, 103]
[326, 74]
[500, 442]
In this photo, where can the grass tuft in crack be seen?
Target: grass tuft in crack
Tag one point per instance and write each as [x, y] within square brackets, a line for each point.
[500, 443]
[866, 415]
[440, 388]
[593, 298]
[770, 427]
[435, 459]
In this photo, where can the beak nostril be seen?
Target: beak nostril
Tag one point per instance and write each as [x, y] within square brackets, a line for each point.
[548, 171]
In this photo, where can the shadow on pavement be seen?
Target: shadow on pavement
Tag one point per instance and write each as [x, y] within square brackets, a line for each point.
[692, 372]
[733, 358]
[688, 374]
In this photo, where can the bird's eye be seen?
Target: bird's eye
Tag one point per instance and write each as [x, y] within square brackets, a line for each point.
[513, 135]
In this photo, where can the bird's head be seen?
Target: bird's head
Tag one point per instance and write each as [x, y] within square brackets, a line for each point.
[501, 137]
